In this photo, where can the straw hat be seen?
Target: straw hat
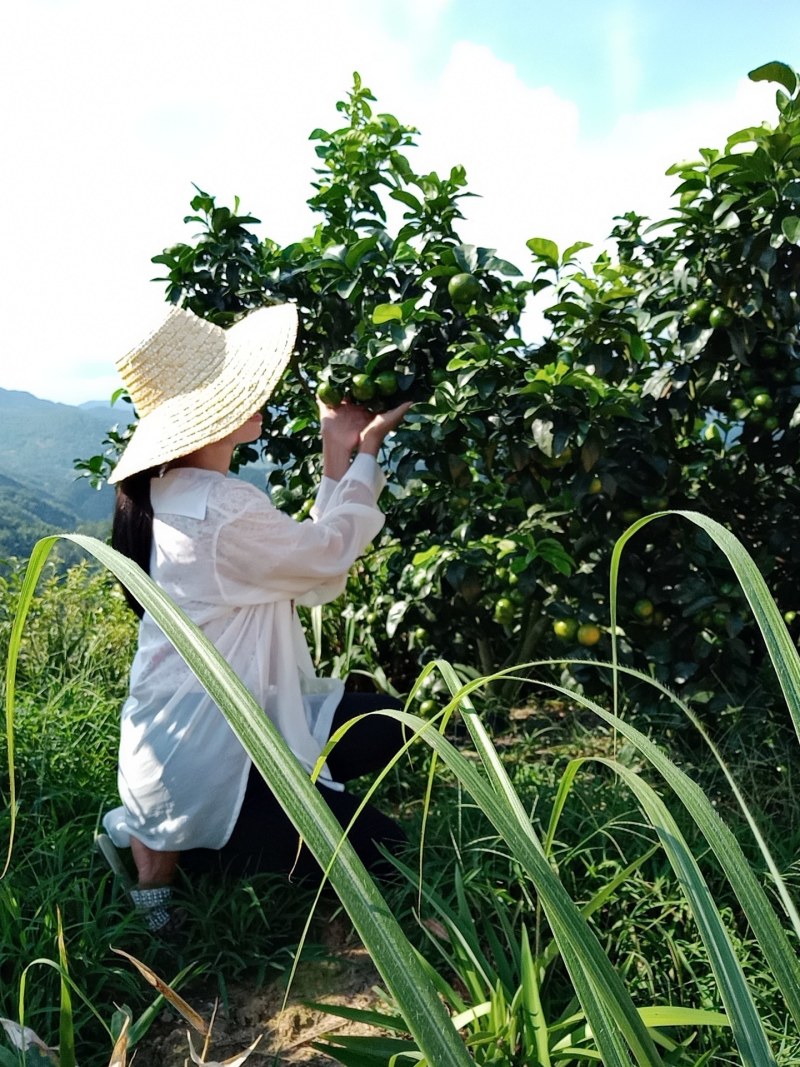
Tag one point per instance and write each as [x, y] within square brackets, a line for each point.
[192, 383]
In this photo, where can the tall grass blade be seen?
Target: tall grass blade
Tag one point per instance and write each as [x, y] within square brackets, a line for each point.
[612, 1016]
[780, 647]
[66, 1028]
[532, 1002]
[783, 892]
[119, 1055]
[786, 662]
[165, 990]
[748, 1031]
[602, 994]
[41, 550]
[394, 957]
[758, 911]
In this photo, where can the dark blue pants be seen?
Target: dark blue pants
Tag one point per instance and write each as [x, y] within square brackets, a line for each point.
[265, 840]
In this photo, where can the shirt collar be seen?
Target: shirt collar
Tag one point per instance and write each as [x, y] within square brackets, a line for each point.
[183, 491]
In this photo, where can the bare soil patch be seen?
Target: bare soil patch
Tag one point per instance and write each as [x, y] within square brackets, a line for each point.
[344, 976]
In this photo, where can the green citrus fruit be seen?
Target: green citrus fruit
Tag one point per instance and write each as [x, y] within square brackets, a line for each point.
[504, 611]
[748, 377]
[697, 311]
[362, 387]
[769, 350]
[428, 707]
[595, 485]
[789, 617]
[762, 401]
[328, 394]
[771, 423]
[565, 629]
[439, 375]
[588, 634]
[420, 635]
[386, 383]
[644, 608]
[464, 289]
[721, 317]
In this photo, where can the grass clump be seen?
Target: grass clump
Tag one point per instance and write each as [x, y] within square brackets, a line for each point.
[580, 896]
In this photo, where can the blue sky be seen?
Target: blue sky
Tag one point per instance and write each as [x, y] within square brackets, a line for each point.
[564, 115]
[633, 54]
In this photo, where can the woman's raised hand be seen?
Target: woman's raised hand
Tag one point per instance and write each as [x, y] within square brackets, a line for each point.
[379, 425]
[348, 427]
[341, 426]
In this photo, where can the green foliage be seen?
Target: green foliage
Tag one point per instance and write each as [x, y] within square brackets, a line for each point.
[599, 1017]
[670, 377]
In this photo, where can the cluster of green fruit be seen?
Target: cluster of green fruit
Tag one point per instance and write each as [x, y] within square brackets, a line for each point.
[361, 388]
[759, 388]
[388, 379]
[756, 405]
[571, 630]
[703, 313]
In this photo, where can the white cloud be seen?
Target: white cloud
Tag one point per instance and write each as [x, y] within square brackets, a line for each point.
[118, 107]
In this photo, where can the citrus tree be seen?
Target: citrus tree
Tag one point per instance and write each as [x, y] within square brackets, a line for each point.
[669, 378]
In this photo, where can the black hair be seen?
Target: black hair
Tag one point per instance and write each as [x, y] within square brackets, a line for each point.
[132, 528]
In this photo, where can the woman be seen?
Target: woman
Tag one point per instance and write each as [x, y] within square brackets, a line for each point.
[238, 567]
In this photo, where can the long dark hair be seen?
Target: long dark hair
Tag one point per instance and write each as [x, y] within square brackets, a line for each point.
[132, 528]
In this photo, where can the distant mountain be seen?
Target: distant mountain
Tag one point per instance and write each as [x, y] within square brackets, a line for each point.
[25, 516]
[40, 492]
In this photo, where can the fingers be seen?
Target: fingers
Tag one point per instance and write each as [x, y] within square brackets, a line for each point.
[391, 419]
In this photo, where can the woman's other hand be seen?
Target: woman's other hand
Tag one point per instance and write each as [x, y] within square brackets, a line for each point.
[342, 428]
[379, 425]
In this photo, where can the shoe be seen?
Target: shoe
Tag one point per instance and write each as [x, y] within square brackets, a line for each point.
[152, 904]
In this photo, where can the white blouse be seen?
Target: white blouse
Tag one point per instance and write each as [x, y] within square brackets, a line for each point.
[237, 566]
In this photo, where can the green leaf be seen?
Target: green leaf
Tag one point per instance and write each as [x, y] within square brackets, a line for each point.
[369, 1051]
[386, 313]
[406, 198]
[542, 248]
[775, 72]
[466, 257]
[791, 228]
[667, 1015]
[572, 250]
[395, 615]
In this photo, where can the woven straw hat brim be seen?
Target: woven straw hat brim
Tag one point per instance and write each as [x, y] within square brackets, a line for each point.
[207, 407]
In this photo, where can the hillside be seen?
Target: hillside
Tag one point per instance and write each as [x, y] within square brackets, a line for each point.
[39, 441]
[40, 492]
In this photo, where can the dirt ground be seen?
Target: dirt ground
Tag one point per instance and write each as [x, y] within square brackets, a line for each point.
[346, 977]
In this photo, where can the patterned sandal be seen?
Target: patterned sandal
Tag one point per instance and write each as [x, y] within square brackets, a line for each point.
[151, 904]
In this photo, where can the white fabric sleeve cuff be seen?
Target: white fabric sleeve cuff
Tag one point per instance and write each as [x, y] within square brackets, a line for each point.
[364, 468]
[324, 494]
